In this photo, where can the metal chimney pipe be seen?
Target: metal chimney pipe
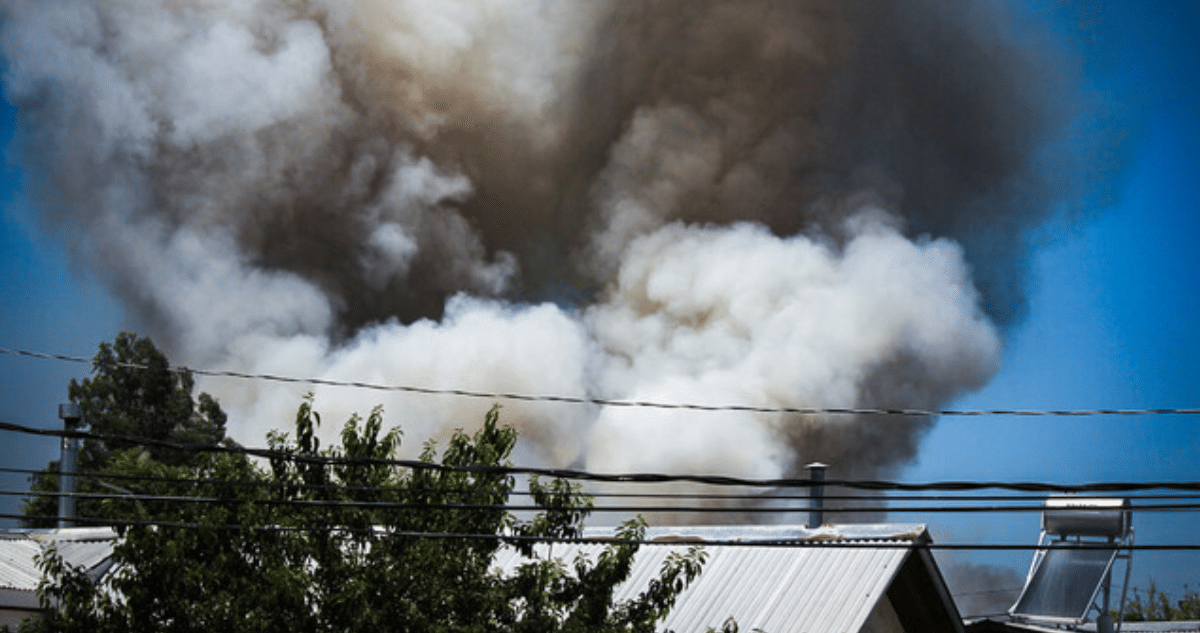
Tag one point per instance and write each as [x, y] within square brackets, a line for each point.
[816, 494]
[72, 418]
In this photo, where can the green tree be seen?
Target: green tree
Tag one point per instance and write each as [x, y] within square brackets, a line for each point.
[1156, 606]
[339, 539]
[133, 392]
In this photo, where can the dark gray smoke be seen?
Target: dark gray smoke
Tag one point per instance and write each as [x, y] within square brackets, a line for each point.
[776, 202]
[980, 589]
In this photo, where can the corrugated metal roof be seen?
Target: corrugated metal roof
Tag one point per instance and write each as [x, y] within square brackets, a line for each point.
[1182, 626]
[776, 589]
[88, 548]
[17, 567]
[1006, 623]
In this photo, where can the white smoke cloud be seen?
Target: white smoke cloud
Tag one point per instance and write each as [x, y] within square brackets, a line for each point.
[736, 315]
[587, 199]
[708, 315]
[429, 64]
[479, 345]
[203, 285]
[256, 88]
[667, 153]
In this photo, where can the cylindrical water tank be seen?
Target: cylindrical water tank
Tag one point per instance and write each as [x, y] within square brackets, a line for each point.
[1086, 516]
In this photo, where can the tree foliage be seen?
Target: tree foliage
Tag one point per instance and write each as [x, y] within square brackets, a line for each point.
[133, 392]
[332, 540]
[1156, 606]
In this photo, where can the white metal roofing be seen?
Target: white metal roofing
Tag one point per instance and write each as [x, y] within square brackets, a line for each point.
[776, 589]
[1179, 626]
[88, 548]
[18, 569]
[1155, 627]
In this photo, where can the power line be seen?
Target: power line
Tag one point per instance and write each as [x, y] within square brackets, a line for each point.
[624, 509]
[881, 543]
[580, 475]
[988, 592]
[759, 497]
[464, 393]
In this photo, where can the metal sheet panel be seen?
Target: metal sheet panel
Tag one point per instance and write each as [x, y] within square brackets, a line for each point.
[1064, 582]
[88, 548]
[17, 567]
[776, 589]
[1179, 626]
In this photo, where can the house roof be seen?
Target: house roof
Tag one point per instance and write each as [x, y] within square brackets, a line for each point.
[779, 589]
[1005, 624]
[87, 548]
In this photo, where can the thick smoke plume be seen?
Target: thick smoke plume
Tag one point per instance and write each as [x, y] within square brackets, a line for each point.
[800, 203]
[981, 590]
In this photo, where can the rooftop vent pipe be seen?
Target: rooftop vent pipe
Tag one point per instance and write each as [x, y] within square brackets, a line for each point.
[72, 418]
[816, 494]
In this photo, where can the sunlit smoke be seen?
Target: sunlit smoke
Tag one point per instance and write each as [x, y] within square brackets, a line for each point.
[777, 203]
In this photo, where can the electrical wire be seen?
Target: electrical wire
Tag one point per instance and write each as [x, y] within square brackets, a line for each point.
[987, 592]
[919, 542]
[580, 475]
[875, 411]
[1113, 488]
[760, 497]
[624, 509]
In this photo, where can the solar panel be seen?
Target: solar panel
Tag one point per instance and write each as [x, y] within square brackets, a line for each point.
[1065, 582]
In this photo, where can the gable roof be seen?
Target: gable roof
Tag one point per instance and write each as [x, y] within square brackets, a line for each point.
[87, 548]
[783, 588]
[893, 585]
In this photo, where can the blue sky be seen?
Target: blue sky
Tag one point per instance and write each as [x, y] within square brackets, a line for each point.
[1112, 320]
